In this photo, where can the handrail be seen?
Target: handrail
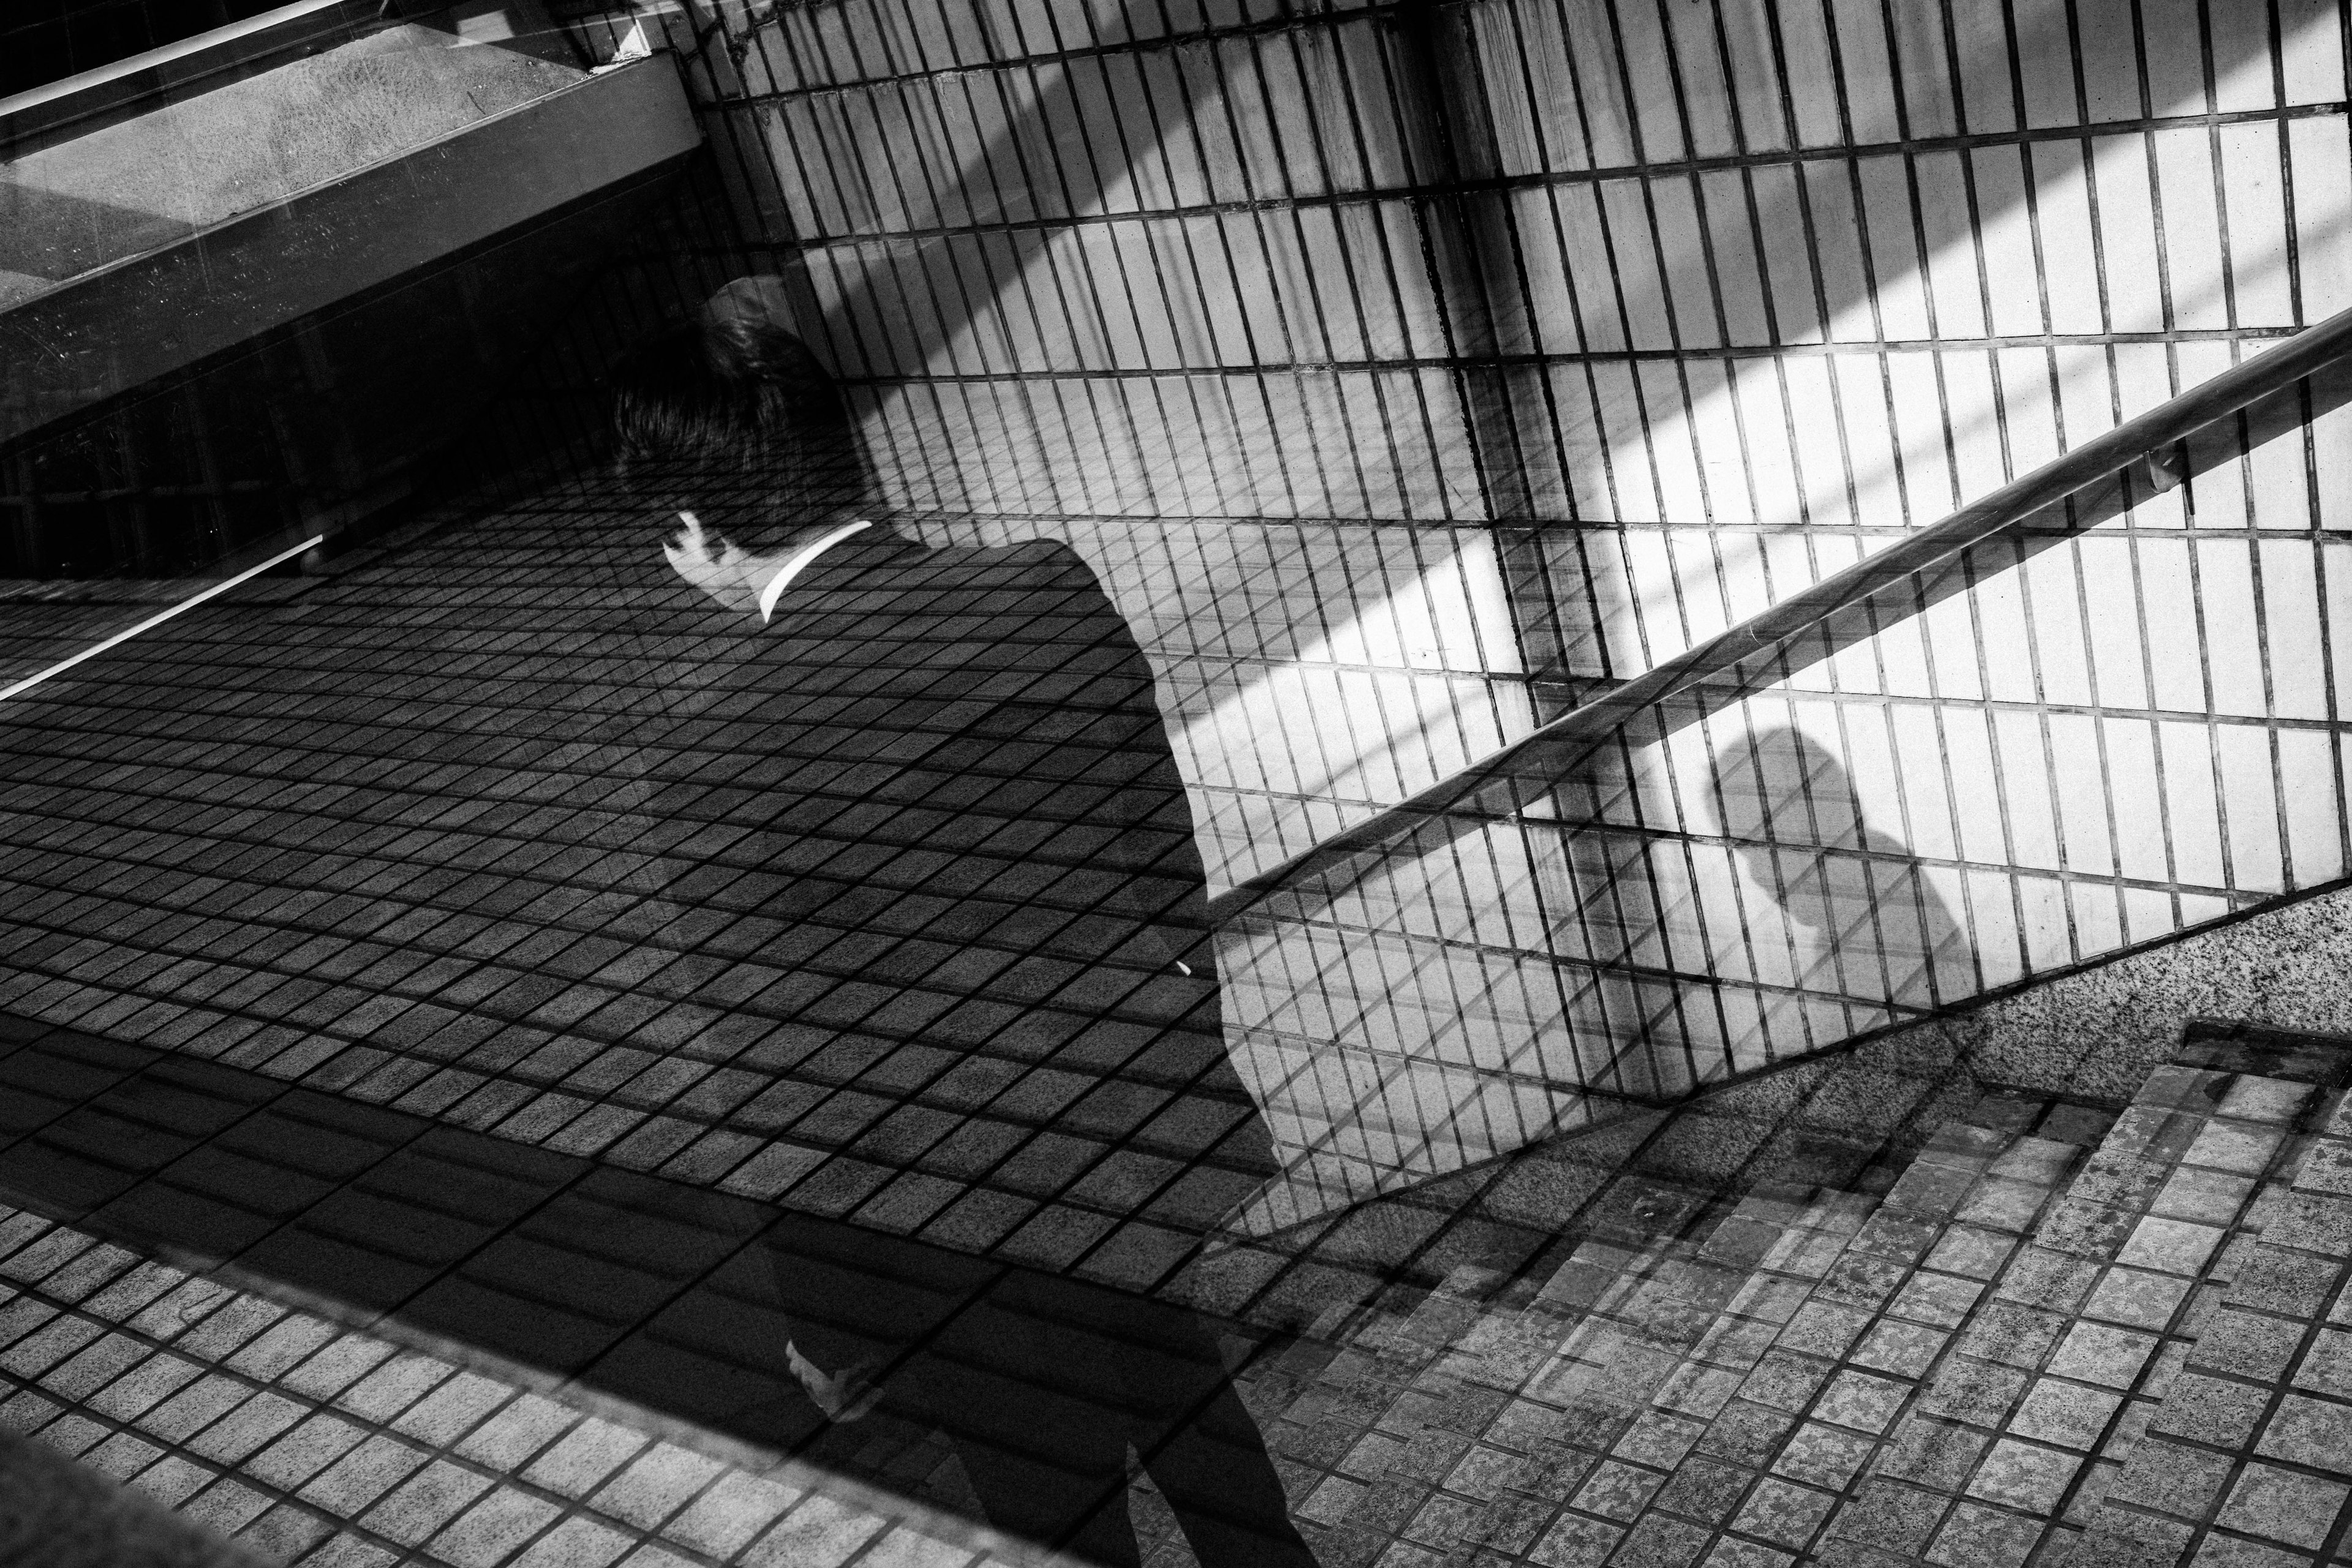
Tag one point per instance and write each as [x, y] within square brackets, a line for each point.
[1539, 760]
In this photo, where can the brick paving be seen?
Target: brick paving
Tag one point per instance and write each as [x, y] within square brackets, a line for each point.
[1783, 1438]
[1956, 1375]
[1594, 1409]
[680, 1300]
[311, 1442]
[2031, 1412]
[876, 916]
[2248, 1458]
[1689, 1375]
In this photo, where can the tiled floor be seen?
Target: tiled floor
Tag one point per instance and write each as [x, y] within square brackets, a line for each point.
[309, 1440]
[884, 922]
[2247, 1459]
[479, 959]
[690, 1303]
[1858, 1374]
[1634, 1404]
[1425, 1421]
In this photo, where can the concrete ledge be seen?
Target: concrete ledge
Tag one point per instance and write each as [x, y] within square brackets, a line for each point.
[2094, 1033]
[134, 321]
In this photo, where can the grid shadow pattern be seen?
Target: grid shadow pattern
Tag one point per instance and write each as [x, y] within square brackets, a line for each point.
[885, 912]
[1408, 372]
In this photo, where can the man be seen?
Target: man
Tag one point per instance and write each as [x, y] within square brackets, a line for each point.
[974, 730]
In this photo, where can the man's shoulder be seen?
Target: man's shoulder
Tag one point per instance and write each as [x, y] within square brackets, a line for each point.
[1026, 563]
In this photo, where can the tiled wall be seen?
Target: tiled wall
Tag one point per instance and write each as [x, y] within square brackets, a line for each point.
[1407, 371]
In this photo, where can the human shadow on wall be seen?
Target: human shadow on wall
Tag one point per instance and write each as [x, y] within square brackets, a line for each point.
[1868, 924]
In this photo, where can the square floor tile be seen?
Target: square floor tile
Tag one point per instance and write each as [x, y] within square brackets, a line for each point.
[2171, 1245]
[1575, 1542]
[1859, 1400]
[2101, 1353]
[2024, 1475]
[2282, 1506]
[1784, 1512]
[1618, 1491]
[2136, 1297]
[1976, 1536]
[1823, 1456]
[2306, 1431]
[2327, 1366]
[2066, 1414]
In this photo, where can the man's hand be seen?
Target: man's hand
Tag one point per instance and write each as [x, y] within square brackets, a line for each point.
[844, 1396]
[727, 573]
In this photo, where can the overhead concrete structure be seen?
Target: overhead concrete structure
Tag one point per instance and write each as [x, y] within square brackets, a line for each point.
[349, 248]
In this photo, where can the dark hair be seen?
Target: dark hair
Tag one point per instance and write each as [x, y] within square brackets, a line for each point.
[739, 423]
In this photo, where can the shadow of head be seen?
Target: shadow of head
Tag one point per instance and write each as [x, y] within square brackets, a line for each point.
[731, 415]
[1776, 785]
[1795, 819]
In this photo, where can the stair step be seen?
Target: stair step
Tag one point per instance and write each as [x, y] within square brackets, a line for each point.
[1974, 1397]
[1762, 1450]
[2249, 1458]
[2029, 1411]
[1462, 1426]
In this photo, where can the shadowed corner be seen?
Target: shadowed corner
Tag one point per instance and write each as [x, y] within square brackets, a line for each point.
[57, 1513]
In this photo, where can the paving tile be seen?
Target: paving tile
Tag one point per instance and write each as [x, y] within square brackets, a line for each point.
[1979, 1537]
[584, 1456]
[2307, 1431]
[1784, 1513]
[357, 1480]
[2101, 1353]
[493, 1529]
[2029, 1477]
[576, 1542]
[1575, 1542]
[2282, 1506]
[817, 1531]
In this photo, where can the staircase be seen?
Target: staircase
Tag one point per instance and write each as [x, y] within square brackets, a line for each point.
[2061, 1337]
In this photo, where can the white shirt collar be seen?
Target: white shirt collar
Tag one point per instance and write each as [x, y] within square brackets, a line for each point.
[799, 560]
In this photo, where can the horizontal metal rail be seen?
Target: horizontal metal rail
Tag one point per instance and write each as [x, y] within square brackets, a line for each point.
[1527, 769]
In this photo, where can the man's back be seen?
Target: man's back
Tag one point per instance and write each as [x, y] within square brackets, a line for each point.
[970, 853]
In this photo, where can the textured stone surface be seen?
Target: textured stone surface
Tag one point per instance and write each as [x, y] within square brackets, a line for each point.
[145, 182]
[2099, 1032]
[2252, 1448]
[62, 1515]
[371, 1451]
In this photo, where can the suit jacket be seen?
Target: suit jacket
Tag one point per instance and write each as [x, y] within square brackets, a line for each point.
[959, 876]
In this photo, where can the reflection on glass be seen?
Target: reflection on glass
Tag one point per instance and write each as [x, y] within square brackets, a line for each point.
[976, 832]
[878, 803]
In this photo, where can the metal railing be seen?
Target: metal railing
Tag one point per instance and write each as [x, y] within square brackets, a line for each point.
[1526, 772]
